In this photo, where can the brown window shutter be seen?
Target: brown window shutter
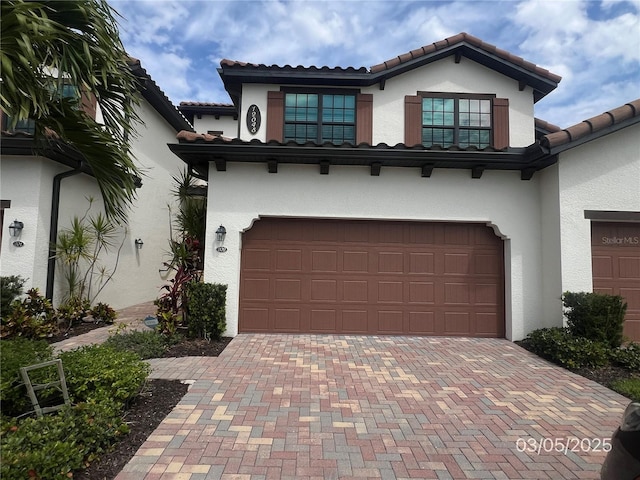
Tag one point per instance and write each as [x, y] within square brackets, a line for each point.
[412, 120]
[275, 116]
[500, 123]
[364, 118]
[89, 104]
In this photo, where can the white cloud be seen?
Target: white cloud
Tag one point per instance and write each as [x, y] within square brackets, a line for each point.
[589, 43]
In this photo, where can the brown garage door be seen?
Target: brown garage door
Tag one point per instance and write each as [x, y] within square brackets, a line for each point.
[371, 277]
[615, 250]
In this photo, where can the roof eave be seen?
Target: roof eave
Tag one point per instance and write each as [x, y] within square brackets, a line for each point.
[540, 85]
[592, 136]
[199, 154]
[158, 100]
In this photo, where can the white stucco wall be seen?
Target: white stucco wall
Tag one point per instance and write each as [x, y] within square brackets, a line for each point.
[246, 191]
[441, 76]
[137, 277]
[603, 174]
[24, 181]
[28, 183]
[551, 310]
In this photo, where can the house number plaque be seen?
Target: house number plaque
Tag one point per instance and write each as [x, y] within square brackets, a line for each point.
[253, 119]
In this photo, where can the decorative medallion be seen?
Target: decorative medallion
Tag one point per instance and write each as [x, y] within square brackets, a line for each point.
[253, 119]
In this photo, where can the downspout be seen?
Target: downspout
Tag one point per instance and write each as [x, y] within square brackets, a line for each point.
[53, 227]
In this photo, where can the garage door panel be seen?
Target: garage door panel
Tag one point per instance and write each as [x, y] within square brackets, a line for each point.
[422, 292]
[371, 277]
[256, 288]
[486, 264]
[456, 263]
[457, 323]
[390, 292]
[629, 267]
[287, 319]
[485, 323]
[256, 319]
[324, 290]
[289, 260]
[390, 262]
[422, 323]
[456, 293]
[355, 291]
[355, 261]
[602, 266]
[486, 294]
[288, 289]
[324, 321]
[324, 261]
[422, 263]
[256, 259]
[456, 234]
[355, 321]
[390, 321]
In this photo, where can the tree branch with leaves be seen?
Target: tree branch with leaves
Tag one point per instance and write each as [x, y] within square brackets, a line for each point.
[46, 44]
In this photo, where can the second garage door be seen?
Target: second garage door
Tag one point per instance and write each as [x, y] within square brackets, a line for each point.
[371, 277]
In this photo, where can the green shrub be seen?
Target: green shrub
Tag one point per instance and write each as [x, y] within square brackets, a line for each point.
[147, 344]
[206, 307]
[596, 316]
[73, 310]
[559, 346]
[10, 289]
[629, 387]
[103, 313]
[33, 317]
[627, 357]
[53, 446]
[101, 373]
[14, 354]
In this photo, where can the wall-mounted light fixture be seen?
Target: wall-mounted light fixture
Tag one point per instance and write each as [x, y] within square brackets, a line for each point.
[139, 243]
[15, 230]
[221, 232]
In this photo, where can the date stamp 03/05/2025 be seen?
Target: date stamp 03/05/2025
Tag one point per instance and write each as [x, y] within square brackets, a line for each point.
[564, 445]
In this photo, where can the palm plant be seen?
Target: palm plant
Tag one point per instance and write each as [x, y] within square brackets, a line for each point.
[49, 43]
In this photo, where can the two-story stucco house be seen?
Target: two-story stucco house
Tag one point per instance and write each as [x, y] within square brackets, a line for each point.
[420, 196]
[45, 190]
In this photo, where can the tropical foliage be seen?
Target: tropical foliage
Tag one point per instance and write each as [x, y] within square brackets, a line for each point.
[47, 45]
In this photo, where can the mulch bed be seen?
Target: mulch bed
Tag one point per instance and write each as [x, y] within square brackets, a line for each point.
[149, 408]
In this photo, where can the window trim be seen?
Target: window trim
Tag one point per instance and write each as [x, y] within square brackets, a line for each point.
[457, 127]
[321, 92]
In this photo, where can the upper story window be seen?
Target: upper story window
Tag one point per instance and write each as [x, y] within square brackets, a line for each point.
[449, 119]
[320, 117]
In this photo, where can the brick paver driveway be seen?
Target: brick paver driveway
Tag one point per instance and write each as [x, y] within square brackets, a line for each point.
[329, 407]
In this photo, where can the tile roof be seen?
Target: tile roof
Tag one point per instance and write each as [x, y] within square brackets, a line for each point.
[235, 73]
[157, 98]
[583, 131]
[206, 104]
[546, 126]
[461, 38]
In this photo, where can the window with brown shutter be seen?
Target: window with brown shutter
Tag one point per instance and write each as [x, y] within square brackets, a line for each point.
[447, 119]
[329, 115]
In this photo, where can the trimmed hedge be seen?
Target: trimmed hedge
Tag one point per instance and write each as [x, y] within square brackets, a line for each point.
[596, 316]
[559, 346]
[206, 308]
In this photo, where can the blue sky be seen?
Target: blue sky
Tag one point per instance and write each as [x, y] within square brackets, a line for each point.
[593, 45]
